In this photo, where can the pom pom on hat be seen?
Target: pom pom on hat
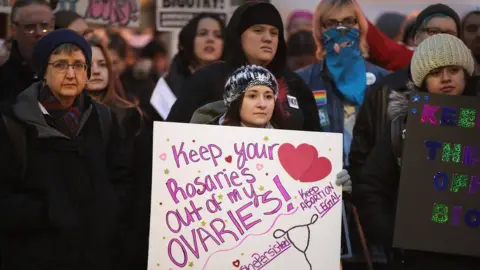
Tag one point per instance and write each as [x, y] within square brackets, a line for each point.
[440, 51]
[245, 77]
[47, 44]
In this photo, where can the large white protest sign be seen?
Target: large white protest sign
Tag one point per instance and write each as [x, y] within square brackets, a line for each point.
[117, 12]
[244, 198]
[174, 14]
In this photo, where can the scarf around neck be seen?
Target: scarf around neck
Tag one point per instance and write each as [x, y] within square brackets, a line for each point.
[66, 120]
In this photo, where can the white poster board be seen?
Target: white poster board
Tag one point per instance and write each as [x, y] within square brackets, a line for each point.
[116, 12]
[162, 98]
[244, 198]
[172, 15]
[5, 6]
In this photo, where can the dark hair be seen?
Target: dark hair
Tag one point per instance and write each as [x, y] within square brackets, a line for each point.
[118, 44]
[232, 117]
[64, 18]
[473, 12]
[409, 32]
[152, 49]
[301, 43]
[25, 3]
[114, 96]
[470, 88]
[186, 51]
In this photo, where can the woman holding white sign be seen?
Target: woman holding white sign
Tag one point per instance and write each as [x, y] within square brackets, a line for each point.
[250, 99]
[255, 35]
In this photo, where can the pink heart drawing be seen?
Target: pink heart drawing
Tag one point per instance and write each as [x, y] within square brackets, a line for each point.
[303, 163]
[259, 166]
[163, 156]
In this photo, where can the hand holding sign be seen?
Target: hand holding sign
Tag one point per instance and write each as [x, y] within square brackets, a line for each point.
[216, 202]
[303, 163]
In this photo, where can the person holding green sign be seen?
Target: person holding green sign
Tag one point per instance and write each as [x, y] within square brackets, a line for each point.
[441, 64]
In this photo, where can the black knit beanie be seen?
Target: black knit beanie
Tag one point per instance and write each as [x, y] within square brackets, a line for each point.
[47, 44]
[264, 13]
[434, 9]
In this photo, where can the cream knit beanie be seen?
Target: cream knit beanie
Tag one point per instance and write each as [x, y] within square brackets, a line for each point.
[439, 51]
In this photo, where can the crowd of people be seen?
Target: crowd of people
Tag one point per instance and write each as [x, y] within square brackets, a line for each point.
[76, 127]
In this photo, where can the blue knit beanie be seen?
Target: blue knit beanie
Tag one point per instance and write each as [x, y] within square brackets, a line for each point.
[47, 44]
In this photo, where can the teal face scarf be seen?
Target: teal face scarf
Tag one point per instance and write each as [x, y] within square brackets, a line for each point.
[345, 62]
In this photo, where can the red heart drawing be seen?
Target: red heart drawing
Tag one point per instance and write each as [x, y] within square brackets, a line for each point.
[303, 163]
[236, 263]
[296, 161]
[320, 168]
[228, 159]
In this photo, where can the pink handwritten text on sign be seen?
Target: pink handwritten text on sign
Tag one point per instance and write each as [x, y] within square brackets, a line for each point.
[121, 12]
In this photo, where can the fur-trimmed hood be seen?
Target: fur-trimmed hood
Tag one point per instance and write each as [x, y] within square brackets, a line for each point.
[398, 101]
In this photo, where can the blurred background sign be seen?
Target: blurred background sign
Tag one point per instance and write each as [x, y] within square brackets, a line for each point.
[110, 12]
[174, 14]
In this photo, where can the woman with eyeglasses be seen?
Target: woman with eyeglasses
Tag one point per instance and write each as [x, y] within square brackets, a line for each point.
[63, 166]
[341, 77]
[339, 81]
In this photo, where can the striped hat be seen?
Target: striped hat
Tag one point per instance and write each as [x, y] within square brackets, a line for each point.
[245, 77]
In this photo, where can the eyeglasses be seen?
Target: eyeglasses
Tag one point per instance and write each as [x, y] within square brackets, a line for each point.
[347, 22]
[431, 31]
[32, 28]
[62, 67]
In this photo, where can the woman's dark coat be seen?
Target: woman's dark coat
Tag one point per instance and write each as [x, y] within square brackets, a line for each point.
[65, 212]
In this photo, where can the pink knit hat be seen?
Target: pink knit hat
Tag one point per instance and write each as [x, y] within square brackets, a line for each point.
[296, 14]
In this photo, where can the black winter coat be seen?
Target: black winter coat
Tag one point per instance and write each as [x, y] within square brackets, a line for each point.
[372, 120]
[139, 138]
[65, 212]
[15, 75]
[177, 75]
